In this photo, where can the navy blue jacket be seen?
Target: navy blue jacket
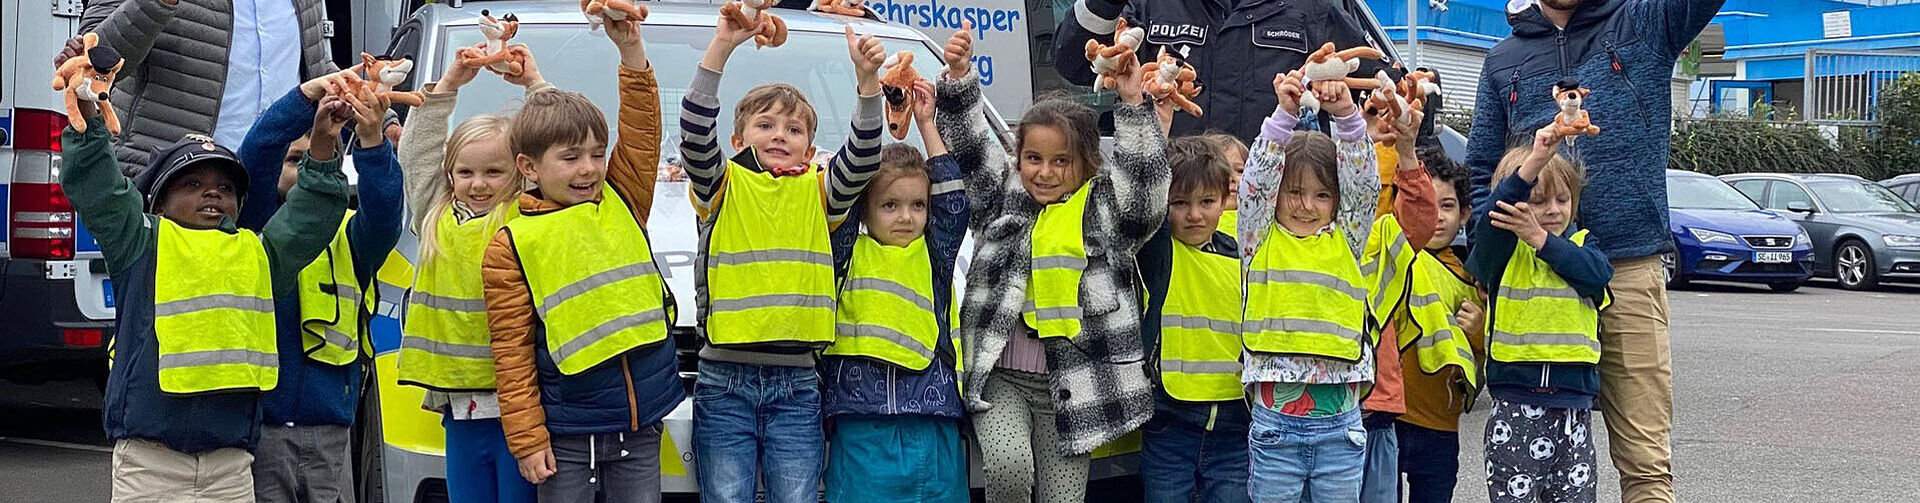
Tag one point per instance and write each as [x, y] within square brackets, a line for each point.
[310, 392]
[1624, 50]
[1585, 268]
[1156, 267]
[597, 400]
[869, 387]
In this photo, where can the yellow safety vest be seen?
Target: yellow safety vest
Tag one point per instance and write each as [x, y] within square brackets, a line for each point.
[594, 285]
[213, 311]
[334, 309]
[1200, 327]
[1430, 327]
[769, 262]
[1304, 297]
[886, 305]
[445, 344]
[1230, 223]
[1052, 305]
[1538, 318]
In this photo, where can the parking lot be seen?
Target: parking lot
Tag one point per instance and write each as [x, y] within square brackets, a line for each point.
[1805, 396]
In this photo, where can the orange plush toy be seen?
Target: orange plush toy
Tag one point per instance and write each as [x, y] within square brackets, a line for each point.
[605, 11]
[841, 7]
[1166, 78]
[1326, 64]
[383, 74]
[897, 78]
[770, 30]
[493, 55]
[89, 77]
[1110, 60]
[1572, 120]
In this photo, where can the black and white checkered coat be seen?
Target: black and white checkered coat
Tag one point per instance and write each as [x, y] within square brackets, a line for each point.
[1099, 378]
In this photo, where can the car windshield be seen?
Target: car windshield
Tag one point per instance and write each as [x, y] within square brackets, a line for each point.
[1705, 193]
[1850, 196]
[575, 59]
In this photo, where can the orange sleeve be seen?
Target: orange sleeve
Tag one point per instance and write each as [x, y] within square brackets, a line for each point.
[635, 163]
[1387, 159]
[1414, 204]
[510, 322]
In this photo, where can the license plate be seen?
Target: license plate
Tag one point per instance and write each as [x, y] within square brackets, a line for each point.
[1773, 257]
[106, 289]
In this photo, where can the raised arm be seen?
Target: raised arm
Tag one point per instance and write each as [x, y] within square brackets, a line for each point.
[947, 197]
[1139, 177]
[301, 229]
[700, 114]
[264, 148]
[859, 159]
[375, 229]
[128, 26]
[105, 200]
[976, 146]
[635, 163]
[423, 149]
[1266, 162]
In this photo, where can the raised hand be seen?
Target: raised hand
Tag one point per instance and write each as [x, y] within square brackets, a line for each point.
[625, 35]
[867, 54]
[959, 52]
[332, 114]
[73, 48]
[1334, 97]
[1289, 89]
[732, 33]
[1129, 84]
[923, 104]
[457, 75]
[369, 116]
[529, 72]
[332, 83]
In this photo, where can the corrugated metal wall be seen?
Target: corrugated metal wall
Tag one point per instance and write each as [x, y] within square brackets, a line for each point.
[1459, 69]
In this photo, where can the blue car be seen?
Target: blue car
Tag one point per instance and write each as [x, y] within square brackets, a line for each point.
[1721, 235]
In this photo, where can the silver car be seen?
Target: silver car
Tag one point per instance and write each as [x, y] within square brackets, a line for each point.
[1862, 233]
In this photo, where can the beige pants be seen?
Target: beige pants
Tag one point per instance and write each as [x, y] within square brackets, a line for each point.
[146, 471]
[1636, 381]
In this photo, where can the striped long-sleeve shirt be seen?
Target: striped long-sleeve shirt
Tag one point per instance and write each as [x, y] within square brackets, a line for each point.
[847, 175]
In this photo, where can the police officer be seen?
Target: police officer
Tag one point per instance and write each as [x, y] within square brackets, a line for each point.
[1236, 46]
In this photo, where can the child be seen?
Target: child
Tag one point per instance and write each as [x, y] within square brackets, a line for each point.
[1051, 318]
[765, 270]
[889, 388]
[1542, 346]
[576, 306]
[461, 189]
[1306, 322]
[1196, 442]
[195, 350]
[1235, 152]
[304, 451]
[1440, 381]
[1406, 208]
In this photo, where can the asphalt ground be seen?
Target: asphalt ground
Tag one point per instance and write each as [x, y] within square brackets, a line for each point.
[1805, 396]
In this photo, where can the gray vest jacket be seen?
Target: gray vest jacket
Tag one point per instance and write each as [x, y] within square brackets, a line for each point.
[176, 65]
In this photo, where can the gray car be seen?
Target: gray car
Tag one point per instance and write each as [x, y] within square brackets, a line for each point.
[1862, 233]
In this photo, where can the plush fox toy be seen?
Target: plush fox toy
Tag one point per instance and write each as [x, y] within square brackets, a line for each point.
[770, 30]
[383, 74]
[1326, 64]
[603, 11]
[897, 78]
[89, 77]
[1166, 78]
[1572, 120]
[841, 7]
[1109, 60]
[493, 55]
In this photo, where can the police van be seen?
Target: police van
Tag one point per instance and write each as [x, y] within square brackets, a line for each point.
[56, 304]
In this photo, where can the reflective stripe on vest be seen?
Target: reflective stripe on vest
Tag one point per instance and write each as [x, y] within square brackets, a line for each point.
[1538, 318]
[1431, 308]
[1052, 305]
[886, 305]
[1200, 327]
[1386, 280]
[1304, 297]
[213, 311]
[445, 344]
[594, 285]
[769, 261]
[333, 311]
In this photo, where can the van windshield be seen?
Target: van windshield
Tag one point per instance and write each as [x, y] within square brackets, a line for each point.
[575, 59]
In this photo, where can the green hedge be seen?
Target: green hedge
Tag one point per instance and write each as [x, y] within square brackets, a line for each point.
[1890, 147]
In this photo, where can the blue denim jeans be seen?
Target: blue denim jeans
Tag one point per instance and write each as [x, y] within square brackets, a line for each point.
[1302, 459]
[764, 420]
[1182, 463]
[1381, 484]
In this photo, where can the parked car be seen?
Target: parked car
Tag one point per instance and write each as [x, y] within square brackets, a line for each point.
[1906, 186]
[1862, 233]
[1719, 234]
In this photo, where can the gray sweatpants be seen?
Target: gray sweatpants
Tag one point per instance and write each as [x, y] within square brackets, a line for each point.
[1017, 439]
[621, 467]
[303, 464]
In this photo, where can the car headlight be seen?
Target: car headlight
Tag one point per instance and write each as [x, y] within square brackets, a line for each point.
[1901, 240]
[1801, 238]
[1707, 236]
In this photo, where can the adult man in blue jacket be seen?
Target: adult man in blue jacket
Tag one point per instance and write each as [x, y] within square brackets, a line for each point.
[1623, 50]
